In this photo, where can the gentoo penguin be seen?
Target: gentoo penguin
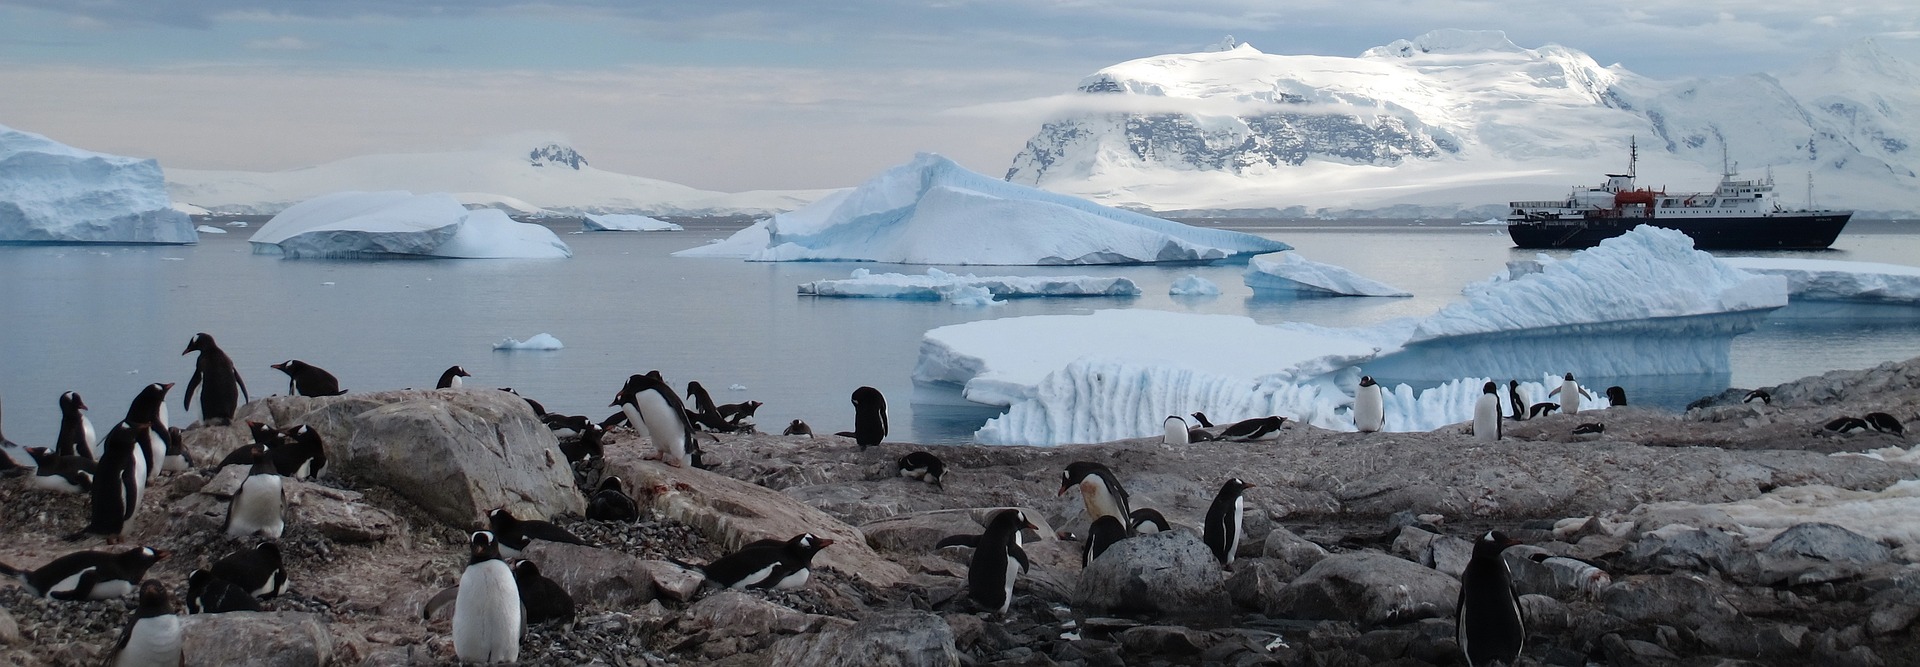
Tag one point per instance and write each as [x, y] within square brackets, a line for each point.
[734, 413]
[1176, 431]
[565, 426]
[798, 428]
[1259, 428]
[152, 637]
[1570, 393]
[88, 575]
[1147, 521]
[1616, 396]
[704, 412]
[217, 380]
[61, 474]
[1099, 489]
[1369, 406]
[589, 445]
[649, 403]
[450, 379]
[1486, 413]
[1541, 410]
[487, 612]
[543, 598]
[208, 594]
[257, 508]
[1848, 425]
[1202, 418]
[776, 564]
[1104, 533]
[998, 560]
[119, 481]
[150, 407]
[1487, 621]
[304, 379]
[178, 459]
[923, 466]
[258, 571]
[1224, 525]
[869, 417]
[1884, 423]
[610, 502]
[306, 456]
[76, 430]
[1517, 398]
[969, 541]
[1763, 396]
[1589, 431]
[513, 534]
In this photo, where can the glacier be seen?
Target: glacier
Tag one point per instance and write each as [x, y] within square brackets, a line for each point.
[933, 211]
[1838, 280]
[939, 285]
[400, 223]
[1645, 303]
[623, 222]
[54, 193]
[1288, 272]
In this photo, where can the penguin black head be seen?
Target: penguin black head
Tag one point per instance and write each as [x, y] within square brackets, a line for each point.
[501, 516]
[483, 546]
[1492, 543]
[199, 342]
[1202, 418]
[1235, 486]
[806, 545]
[72, 400]
[155, 599]
[147, 403]
[611, 483]
[139, 559]
[1616, 395]
[1011, 521]
[523, 568]
[1366, 381]
[1490, 388]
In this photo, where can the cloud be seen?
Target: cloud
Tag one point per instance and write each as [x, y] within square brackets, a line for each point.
[282, 43]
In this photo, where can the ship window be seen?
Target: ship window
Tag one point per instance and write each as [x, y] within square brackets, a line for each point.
[1728, 203]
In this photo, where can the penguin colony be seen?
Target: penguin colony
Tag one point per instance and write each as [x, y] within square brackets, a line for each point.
[500, 593]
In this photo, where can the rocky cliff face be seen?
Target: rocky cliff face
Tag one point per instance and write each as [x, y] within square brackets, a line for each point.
[556, 155]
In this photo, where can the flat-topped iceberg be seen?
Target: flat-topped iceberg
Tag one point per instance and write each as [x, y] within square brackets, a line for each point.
[54, 193]
[939, 285]
[1836, 280]
[398, 223]
[625, 222]
[933, 211]
[1289, 272]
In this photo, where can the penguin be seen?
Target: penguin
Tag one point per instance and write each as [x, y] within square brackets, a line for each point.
[208, 594]
[88, 575]
[1224, 523]
[450, 379]
[1616, 396]
[305, 456]
[1176, 431]
[258, 571]
[610, 502]
[178, 458]
[119, 481]
[258, 508]
[1147, 521]
[1369, 406]
[541, 410]
[76, 430]
[1099, 489]
[543, 598]
[735, 413]
[216, 378]
[869, 417]
[488, 618]
[150, 407]
[1103, 534]
[1202, 418]
[304, 379]
[649, 403]
[60, 474]
[1487, 620]
[798, 428]
[1486, 413]
[153, 635]
[998, 560]
[590, 445]
[1848, 425]
[773, 564]
[8, 465]
[1260, 428]
[1570, 393]
[1541, 410]
[1517, 398]
[565, 426]
[1763, 396]
[513, 534]
[923, 466]
[704, 412]
[1884, 423]
[1589, 431]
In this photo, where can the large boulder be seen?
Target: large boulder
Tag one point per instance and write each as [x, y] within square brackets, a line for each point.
[1163, 574]
[256, 638]
[901, 638]
[1367, 587]
[730, 622]
[594, 577]
[456, 453]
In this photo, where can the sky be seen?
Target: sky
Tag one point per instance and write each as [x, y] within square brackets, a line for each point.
[738, 95]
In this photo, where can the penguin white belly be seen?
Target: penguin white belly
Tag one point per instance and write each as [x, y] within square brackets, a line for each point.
[156, 455]
[754, 578]
[139, 467]
[663, 427]
[794, 580]
[1569, 397]
[1100, 500]
[155, 642]
[88, 445]
[486, 614]
[1176, 432]
[1013, 571]
[55, 483]
[257, 508]
[454, 382]
[1369, 409]
[1486, 418]
[1234, 527]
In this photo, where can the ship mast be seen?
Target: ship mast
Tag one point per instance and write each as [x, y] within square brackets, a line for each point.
[1633, 156]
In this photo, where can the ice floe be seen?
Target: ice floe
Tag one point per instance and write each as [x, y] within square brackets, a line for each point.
[1837, 280]
[623, 222]
[374, 224]
[938, 285]
[540, 341]
[1289, 272]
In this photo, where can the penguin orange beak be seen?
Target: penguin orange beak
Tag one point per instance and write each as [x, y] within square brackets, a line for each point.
[1030, 526]
[279, 366]
[1248, 485]
[168, 385]
[824, 543]
[1063, 490]
[161, 554]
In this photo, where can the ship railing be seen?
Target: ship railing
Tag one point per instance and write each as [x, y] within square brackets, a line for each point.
[1540, 204]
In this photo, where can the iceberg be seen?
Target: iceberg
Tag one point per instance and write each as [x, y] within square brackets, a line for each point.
[939, 285]
[1289, 272]
[741, 245]
[1836, 280]
[622, 222]
[54, 193]
[1193, 285]
[209, 229]
[399, 223]
[540, 341]
[933, 211]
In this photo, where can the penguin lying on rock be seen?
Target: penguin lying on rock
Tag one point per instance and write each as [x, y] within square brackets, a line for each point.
[88, 575]
[771, 564]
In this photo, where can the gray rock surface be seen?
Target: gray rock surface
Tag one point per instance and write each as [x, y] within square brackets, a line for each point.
[263, 639]
[1367, 587]
[891, 639]
[593, 576]
[1167, 574]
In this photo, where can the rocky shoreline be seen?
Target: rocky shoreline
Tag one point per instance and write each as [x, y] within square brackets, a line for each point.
[1733, 534]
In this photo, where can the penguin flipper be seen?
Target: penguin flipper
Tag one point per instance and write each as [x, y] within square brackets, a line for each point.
[191, 384]
[243, 386]
[969, 541]
[1019, 554]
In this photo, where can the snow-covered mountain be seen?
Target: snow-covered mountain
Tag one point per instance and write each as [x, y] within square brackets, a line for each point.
[551, 178]
[1459, 122]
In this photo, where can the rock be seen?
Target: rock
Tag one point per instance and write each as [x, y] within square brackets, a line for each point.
[732, 622]
[1163, 574]
[594, 577]
[456, 453]
[1257, 582]
[1293, 549]
[1367, 587]
[1635, 653]
[903, 638]
[1893, 618]
[270, 639]
[1680, 547]
[338, 514]
[672, 581]
[1687, 601]
[1165, 640]
[917, 533]
[1830, 543]
[1445, 553]
[1544, 613]
[9, 628]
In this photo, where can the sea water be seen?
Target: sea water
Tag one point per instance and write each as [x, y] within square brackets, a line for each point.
[107, 320]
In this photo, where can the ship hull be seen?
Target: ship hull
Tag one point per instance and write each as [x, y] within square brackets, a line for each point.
[1811, 231]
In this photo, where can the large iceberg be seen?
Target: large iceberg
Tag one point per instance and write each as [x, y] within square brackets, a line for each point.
[1289, 272]
[1836, 280]
[54, 193]
[940, 285]
[399, 223]
[933, 211]
[626, 222]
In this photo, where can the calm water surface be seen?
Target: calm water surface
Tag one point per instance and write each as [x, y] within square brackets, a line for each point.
[105, 321]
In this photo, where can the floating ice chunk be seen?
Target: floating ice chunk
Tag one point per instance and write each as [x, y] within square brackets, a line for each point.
[741, 245]
[1289, 272]
[1835, 280]
[238, 223]
[736, 387]
[490, 234]
[54, 193]
[209, 229]
[938, 285]
[356, 224]
[540, 341]
[621, 222]
[970, 295]
[1193, 285]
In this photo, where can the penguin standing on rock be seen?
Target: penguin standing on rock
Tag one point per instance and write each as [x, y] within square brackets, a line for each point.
[304, 379]
[258, 507]
[88, 575]
[923, 466]
[149, 407]
[1103, 534]
[772, 564]
[647, 402]
[798, 427]
[543, 598]
[218, 381]
[1570, 393]
[76, 431]
[513, 534]
[1486, 414]
[119, 481]
[997, 561]
[153, 635]
[1099, 489]
[450, 379]
[610, 502]
[1369, 406]
[1224, 520]
[1488, 623]
[488, 618]
[1517, 399]
[869, 417]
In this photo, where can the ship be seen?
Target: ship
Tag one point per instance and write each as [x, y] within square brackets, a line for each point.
[1738, 215]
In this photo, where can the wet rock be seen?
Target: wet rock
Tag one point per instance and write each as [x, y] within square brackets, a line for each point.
[592, 576]
[1367, 587]
[1892, 618]
[903, 638]
[270, 639]
[1545, 613]
[1685, 601]
[1164, 574]
[1625, 652]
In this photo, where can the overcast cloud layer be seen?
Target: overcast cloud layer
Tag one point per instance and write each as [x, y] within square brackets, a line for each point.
[732, 95]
